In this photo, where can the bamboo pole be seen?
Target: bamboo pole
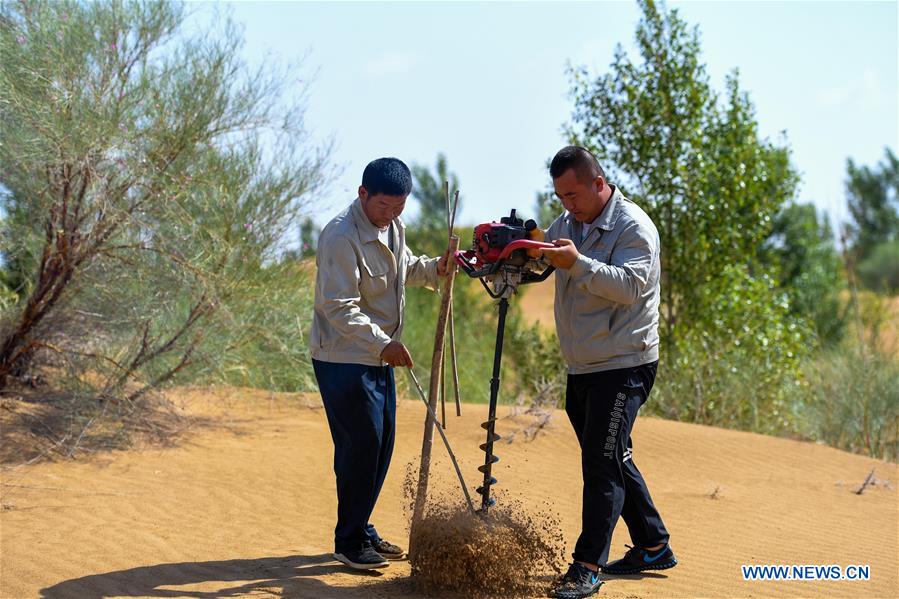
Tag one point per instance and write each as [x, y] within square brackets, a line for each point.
[452, 322]
[452, 344]
[451, 209]
[421, 494]
[443, 377]
[449, 233]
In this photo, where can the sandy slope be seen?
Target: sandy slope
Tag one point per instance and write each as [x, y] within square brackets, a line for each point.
[248, 508]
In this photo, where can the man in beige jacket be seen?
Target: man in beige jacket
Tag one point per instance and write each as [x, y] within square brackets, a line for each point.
[363, 267]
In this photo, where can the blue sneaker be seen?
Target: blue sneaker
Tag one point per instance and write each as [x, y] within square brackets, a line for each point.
[579, 581]
[638, 559]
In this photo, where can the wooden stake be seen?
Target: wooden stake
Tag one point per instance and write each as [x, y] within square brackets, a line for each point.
[867, 482]
[421, 493]
[452, 322]
[452, 344]
[449, 228]
[443, 380]
[452, 222]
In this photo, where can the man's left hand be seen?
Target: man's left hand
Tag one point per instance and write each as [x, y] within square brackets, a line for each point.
[442, 263]
[564, 255]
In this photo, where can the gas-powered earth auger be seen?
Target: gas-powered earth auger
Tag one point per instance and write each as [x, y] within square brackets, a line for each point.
[504, 255]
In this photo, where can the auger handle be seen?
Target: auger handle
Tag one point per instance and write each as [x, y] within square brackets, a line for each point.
[526, 244]
[464, 258]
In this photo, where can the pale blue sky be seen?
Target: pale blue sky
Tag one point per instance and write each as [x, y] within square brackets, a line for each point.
[486, 84]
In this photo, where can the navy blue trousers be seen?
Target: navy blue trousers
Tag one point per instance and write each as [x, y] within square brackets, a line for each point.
[360, 402]
[602, 408]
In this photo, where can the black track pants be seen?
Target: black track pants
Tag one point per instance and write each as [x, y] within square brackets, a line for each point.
[602, 408]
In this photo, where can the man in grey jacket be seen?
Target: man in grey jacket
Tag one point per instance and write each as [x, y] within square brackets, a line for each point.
[607, 317]
[363, 267]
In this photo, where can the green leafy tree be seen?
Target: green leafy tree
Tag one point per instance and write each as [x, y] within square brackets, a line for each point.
[694, 160]
[873, 200]
[880, 270]
[548, 209]
[801, 248]
[873, 233]
[430, 231]
[143, 209]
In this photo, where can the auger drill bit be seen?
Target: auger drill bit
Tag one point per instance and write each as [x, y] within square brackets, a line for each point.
[490, 459]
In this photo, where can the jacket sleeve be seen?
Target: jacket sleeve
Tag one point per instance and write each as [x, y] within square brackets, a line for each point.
[623, 279]
[551, 235]
[339, 286]
[421, 271]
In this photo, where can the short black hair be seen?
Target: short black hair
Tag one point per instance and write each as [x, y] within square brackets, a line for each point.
[586, 166]
[388, 176]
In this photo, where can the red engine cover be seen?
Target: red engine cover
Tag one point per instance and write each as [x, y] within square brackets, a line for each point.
[483, 250]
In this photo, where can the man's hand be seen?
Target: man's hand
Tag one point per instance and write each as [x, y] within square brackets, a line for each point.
[564, 255]
[396, 354]
[442, 263]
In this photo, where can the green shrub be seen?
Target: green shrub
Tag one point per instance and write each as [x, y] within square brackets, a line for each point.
[739, 366]
[261, 334]
[540, 371]
[880, 270]
[475, 329]
[852, 400]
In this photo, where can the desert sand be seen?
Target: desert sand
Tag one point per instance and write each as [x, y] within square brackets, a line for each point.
[245, 506]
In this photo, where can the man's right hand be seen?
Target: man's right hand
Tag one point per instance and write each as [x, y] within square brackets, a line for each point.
[396, 354]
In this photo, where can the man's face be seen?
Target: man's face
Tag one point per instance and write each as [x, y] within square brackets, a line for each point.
[381, 209]
[582, 200]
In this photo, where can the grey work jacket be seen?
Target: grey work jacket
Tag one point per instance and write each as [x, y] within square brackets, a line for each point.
[360, 288]
[607, 303]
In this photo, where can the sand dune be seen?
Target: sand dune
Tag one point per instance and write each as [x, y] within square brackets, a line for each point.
[247, 509]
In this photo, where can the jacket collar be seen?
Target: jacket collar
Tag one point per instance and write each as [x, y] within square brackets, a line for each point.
[609, 215]
[367, 231]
